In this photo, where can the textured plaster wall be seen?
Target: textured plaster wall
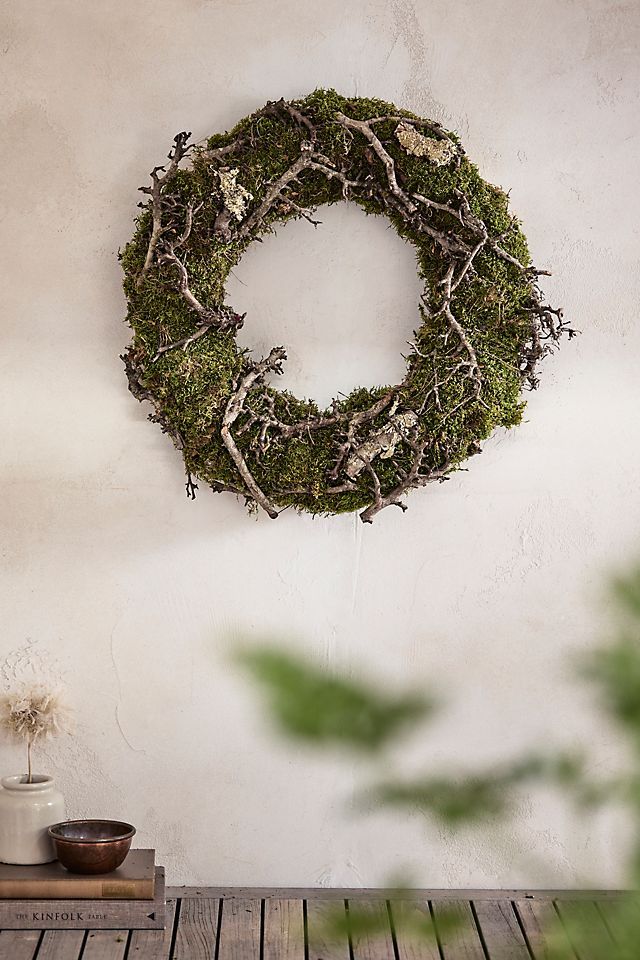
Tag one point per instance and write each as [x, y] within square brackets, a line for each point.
[483, 589]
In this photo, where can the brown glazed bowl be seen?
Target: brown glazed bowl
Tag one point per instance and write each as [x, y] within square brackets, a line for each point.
[91, 846]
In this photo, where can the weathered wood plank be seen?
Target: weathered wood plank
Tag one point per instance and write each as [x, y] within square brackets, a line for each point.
[500, 930]
[456, 928]
[542, 927]
[370, 930]
[322, 946]
[414, 929]
[197, 930]
[61, 945]
[240, 930]
[105, 945]
[622, 918]
[18, 944]
[586, 929]
[283, 930]
[388, 893]
[153, 944]
[279, 923]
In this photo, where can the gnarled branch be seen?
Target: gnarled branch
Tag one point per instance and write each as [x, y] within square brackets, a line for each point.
[235, 405]
[158, 182]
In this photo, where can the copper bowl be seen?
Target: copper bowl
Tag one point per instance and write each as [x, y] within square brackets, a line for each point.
[91, 846]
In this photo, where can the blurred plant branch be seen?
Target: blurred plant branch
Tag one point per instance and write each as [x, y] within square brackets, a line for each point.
[309, 704]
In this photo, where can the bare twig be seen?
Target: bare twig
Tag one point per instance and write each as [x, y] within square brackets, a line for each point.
[456, 326]
[221, 319]
[364, 127]
[255, 374]
[191, 486]
[217, 153]
[275, 190]
[306, 214]
[414, 478]
[159, 181]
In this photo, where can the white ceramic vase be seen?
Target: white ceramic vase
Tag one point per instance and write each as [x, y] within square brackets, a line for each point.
[26, 810]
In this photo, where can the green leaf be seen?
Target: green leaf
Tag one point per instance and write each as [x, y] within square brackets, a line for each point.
[311, 704]
[616, 671]
[626, 590]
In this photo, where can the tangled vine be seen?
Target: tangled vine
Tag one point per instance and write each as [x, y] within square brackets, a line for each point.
[484, 323]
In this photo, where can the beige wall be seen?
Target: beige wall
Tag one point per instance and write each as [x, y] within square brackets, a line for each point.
[486, 585]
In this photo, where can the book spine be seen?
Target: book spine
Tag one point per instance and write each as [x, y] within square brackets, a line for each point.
[89, 889]
[86, 914]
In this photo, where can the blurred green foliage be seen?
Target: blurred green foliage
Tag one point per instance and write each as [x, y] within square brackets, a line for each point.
[326, 710]
[323, 709]
[477, 797]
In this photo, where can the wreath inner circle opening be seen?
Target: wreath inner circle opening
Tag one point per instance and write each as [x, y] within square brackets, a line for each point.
[341, 297]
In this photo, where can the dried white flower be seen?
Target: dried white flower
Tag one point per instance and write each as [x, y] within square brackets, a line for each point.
[439, 152]
[236, 197]
[34, 712]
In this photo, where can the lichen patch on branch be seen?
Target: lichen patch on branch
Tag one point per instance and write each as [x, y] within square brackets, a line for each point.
[439, 152]
[236, 198]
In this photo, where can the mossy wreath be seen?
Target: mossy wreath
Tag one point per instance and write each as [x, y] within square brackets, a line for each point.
[483, 323]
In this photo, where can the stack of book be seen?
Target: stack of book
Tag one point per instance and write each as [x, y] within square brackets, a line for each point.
[48, 897]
